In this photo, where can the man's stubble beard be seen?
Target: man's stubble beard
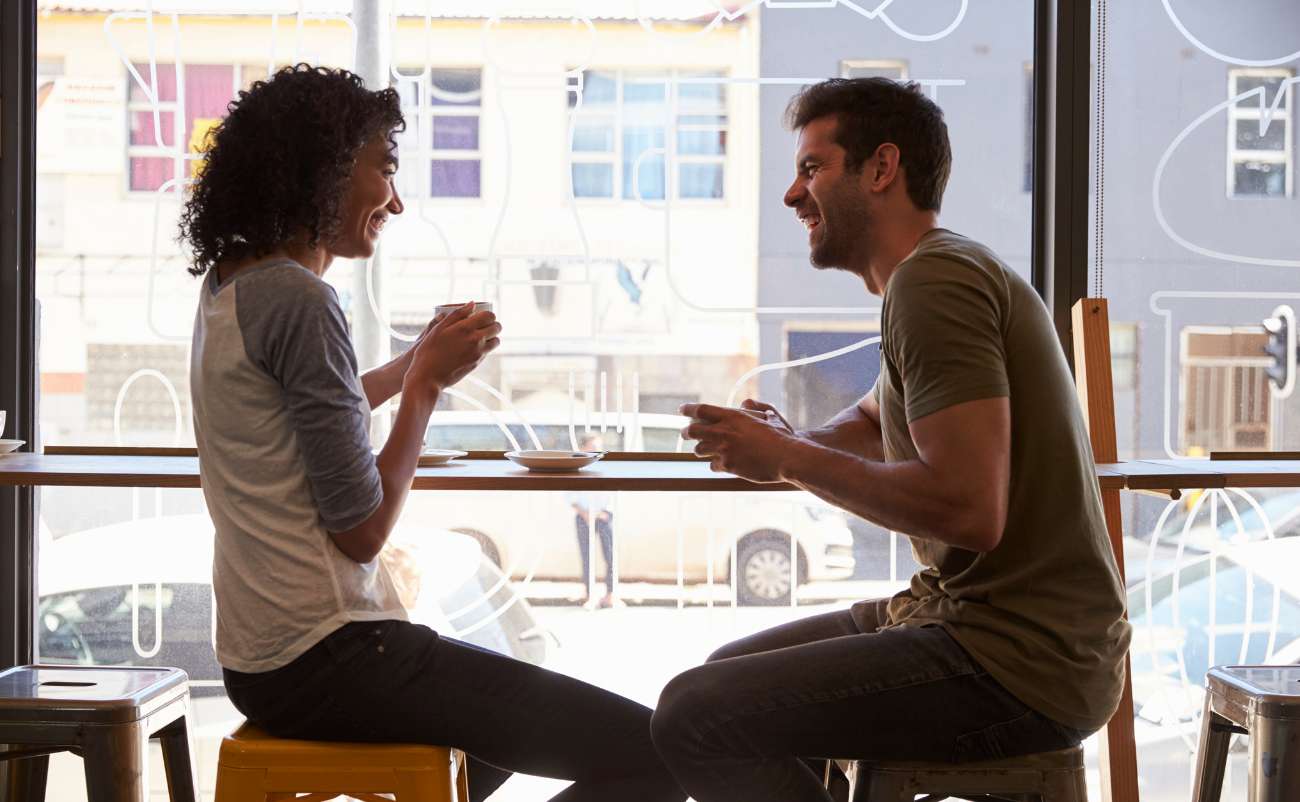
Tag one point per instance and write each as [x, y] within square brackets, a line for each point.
[844, 233]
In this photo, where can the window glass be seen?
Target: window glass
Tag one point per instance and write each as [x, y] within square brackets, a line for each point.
[615, 190]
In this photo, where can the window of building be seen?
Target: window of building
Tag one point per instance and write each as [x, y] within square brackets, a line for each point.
[167, 130]
[627, 126]
[443, 108]
[1226, 402]
[895, 69]
[1260, 135]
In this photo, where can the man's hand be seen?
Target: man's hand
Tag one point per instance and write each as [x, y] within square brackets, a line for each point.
[751, 443]
[766, 412]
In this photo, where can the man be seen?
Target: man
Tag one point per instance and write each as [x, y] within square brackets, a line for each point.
[1010, 639]
[592, 514]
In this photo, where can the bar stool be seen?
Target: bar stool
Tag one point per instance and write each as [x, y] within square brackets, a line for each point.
[104, 714]
[1264, 703]
[255, 766]
[1045, 777]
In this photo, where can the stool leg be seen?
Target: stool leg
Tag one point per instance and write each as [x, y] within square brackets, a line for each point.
[879, 786]
[240, 785]
[115, 763]
[1274, 760]
[175, 740]
[26, 782]
[1211, 755]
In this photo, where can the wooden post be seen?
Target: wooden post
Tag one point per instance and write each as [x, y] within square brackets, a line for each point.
[1091, 327]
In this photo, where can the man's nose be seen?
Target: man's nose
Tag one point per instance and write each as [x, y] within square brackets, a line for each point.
[794, 194]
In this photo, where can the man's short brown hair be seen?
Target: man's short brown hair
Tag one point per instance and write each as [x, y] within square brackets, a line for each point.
[872, 111]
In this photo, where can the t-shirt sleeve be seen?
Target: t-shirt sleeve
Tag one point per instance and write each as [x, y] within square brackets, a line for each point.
[945, 335]
[294, 329]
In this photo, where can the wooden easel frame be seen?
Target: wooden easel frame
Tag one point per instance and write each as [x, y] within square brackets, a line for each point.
[1092, 376]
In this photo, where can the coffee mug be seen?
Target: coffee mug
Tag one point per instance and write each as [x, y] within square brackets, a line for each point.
[444, 309]
[2, 423]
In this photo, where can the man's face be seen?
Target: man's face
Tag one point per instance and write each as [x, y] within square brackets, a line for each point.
[828, 198]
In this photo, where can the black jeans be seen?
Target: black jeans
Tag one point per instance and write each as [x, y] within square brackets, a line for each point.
[742, 726]
[393, 681]
[605, 534]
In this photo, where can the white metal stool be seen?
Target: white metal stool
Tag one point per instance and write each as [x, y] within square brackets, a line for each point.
[1264, 703]
[104, 714]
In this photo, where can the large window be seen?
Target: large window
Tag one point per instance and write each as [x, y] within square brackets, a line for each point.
[1261, 134]
[441, 147]
[171, 108]
[628, 126]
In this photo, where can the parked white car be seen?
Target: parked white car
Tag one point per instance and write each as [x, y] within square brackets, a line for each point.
[658, 537]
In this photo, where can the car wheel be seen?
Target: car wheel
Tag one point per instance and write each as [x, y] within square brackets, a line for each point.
[763, 568]
[489, 548]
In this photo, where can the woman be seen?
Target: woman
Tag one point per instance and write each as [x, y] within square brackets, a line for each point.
[312, 638]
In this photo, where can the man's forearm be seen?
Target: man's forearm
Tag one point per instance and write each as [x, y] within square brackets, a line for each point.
[851, 431]
[904, 497]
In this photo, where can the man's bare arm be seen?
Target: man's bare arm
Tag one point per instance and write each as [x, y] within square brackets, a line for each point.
[855, 430]
[955, 491]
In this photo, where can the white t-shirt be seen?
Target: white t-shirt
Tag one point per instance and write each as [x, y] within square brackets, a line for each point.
[281, 422]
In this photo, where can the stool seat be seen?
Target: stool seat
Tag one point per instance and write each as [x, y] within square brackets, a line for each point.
[254, 765]
[1055, 776]
[1264, 703]
[105, 714]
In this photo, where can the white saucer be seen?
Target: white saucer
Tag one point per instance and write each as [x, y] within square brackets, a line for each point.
[438, 456]
[7, 446]
[553, 460]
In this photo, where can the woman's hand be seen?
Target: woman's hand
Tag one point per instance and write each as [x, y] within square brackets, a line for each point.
[449, 349]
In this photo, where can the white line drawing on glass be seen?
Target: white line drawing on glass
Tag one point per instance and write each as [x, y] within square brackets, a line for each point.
[792, 363]
[878, 12]
[1212, 53]
[1267, 113]
[1187, 696]
[135, 515]
[172, 186]
[1167, 314]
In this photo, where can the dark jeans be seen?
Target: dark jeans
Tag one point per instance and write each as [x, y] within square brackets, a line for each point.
[392, 681]
[605, 533]
[740, 726]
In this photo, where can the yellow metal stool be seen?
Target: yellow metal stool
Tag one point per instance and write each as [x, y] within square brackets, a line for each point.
[255, 767]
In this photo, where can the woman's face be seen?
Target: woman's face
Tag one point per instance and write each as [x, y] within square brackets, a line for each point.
[371, 197]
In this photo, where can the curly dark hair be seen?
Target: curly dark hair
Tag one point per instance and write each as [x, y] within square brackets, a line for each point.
[872, 111]
[277, 164]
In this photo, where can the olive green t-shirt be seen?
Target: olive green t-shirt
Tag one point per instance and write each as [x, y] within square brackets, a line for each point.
[1043, 611]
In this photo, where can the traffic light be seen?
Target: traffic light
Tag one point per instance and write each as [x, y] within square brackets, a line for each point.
[1281, 346]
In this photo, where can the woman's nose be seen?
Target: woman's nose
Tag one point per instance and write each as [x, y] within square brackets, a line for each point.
[395, 205]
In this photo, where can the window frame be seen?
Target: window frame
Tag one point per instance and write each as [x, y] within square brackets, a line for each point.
[1252, 114]
[425, 154]
[671, 79]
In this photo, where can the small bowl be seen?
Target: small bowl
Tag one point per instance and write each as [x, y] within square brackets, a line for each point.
[554, 460]
[10, 446]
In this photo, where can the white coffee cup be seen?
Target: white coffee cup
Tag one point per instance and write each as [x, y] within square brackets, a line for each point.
[446, 309]
[2, 423]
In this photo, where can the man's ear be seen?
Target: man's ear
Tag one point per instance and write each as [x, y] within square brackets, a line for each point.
[883, 167]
